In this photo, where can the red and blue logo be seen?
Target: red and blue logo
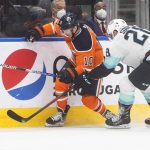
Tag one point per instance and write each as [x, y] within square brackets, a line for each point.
[23, 58]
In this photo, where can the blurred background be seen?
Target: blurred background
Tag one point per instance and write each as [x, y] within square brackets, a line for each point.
[17, 16]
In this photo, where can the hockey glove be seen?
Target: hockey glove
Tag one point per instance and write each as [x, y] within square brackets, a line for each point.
[67, 75]
[85, 86]
[82, 81]
[32, 35]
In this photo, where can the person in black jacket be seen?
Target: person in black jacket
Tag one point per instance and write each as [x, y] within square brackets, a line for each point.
[98, 22]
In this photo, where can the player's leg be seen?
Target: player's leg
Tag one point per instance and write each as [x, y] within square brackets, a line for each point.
[90, 99]
[141, 79]
[95, 104]
[146, 94]
[58, 119]
[126, 99]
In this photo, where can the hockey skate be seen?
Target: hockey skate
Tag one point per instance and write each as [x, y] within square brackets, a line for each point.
[108, 114]
[58, 119]
[122, 121]
[147, 122]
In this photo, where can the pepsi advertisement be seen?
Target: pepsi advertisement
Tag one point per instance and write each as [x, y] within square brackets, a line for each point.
[21, 89]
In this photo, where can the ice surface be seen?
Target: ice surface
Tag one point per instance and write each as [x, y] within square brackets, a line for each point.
[75, 138]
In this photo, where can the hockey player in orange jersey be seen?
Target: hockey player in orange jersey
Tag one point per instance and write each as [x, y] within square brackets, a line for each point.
[87, 53]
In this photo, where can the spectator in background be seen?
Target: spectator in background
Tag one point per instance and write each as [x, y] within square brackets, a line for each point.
[58, 8]
[46, 4]
[85, 16]
[37, 15]
[20, 18]
[98, 22]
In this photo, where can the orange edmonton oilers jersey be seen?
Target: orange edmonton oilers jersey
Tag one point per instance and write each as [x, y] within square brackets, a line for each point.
[86, 50]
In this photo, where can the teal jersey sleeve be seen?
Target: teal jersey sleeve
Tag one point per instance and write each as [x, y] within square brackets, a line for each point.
[111, 62]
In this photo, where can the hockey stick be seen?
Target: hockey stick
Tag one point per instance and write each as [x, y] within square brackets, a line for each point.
[27, 70]
[21, 119]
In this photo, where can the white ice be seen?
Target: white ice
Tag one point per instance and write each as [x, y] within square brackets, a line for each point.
[76, 138]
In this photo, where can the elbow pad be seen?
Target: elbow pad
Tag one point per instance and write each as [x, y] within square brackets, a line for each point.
[99, 72]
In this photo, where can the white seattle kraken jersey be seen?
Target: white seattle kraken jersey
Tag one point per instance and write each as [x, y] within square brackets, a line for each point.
[130, 46]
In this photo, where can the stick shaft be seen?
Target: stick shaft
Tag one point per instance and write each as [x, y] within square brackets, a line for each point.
[21, 119]
[27, 70]
[51, 102]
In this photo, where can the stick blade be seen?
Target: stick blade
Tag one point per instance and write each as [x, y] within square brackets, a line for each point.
[15, 116]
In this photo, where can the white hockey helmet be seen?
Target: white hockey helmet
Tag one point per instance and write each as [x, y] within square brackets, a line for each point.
[115, 25]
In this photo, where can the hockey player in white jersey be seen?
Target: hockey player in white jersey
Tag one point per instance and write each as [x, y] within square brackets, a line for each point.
[131, 45]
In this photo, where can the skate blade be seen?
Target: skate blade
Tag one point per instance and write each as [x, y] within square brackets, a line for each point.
[54, 125]
[125, 126]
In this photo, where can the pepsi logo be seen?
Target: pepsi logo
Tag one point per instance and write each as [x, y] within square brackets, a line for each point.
[19, 84]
